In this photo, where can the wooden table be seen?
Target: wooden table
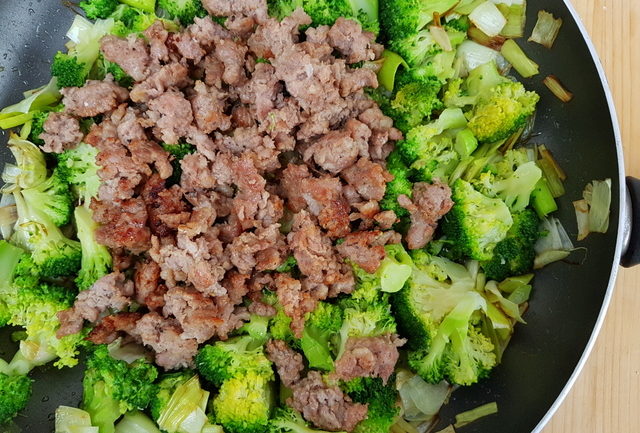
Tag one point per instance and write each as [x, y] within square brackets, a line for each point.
[606, 396]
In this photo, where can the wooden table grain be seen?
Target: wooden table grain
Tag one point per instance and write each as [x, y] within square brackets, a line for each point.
[606, 396]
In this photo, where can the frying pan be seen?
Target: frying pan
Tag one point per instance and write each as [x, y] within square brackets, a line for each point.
[569, 300]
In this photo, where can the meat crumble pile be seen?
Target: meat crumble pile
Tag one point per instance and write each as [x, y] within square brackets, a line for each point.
[289, 161]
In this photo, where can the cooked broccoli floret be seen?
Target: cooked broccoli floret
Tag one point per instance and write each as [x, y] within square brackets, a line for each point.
[408, 17]
[456, 94]
[244, 402]
[514, 255]
[183, 10]
[289, 265]
[326, 12]
[15, 392]
[285, 420]
[37, 127]
[437, 317]
[226, 359]
[398, 186]
[380, 398]
[143, 5]
[476, 223]
[165, 388]
[365, 318]
[393, 272]
[512, 178]
[104, 67]
[131, 20]
[460, 24]
[68, 70]
[96, 258]
[95, 9]
[316, 342]
[53, 253]
[78, 166]
[503, 111]
[413, 100]
[112, 387]
[53, 198]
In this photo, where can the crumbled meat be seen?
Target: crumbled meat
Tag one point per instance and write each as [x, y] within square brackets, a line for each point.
[294, 300]
[212, 69]
[61, 132]
[324, 199]
[165, 207]
[225, 8]
[347, 37]
[95, 97]
[337, 150]
[368, 357]
[288, 362]
[172, 115]
[148, 289]
[164, 336]
[157, 36]
[232, 55]
[131, 54]
[261, 309]
[111, 292]
[173, 75]
[327, 407]
[385, 219]
[129, 125]
[150, 152]
[123, 224]
[368, 178]
[109, 327]
[208, 105]
[429, 203]
[364, 249]
[316, 257]
[259, 250]
[261, 91]
[273, 36]
[383, 133]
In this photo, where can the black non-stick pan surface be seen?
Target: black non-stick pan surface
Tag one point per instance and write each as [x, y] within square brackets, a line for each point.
[567, 299]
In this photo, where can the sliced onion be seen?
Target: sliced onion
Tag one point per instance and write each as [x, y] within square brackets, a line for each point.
[555, 238]
[421, 401]
[557, 88]
[472, 55]
[546, 29]
[488, 18]
[549, 257]
[598, 196]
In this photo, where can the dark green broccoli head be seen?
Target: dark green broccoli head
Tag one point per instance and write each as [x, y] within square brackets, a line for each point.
[400, 18]
[514, 255]
[460, 24]
[68, 71]
[15, 392]
[318, 342]
[165, 387]
[131, 20]
[400, 185]
[53, 197]
[381, 400]
[95, 9]
[223, 360]
[280, 9]
[183, 10]
[178, 151]
[37, 126]
[414, 100]
[287, 420]
[476, 223]
[131, 385]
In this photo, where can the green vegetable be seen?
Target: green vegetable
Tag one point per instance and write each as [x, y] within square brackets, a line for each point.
[183, 10]
[467, 417]
[178, 151]
[542, 199]
[78, 166]
[518, 59]
[136, 422]
[380, 399]
[285, 420]
[476, 223]
[53, 198]
[113, 387]
[414, 100]
[400, 185]
[321, 325]
[184, 411]
[238, 356]
[95, 9]
[96, 258]
[30, 168]
[165, 388]
[144, 5]
[389, 69]
[68, 71]
[514, 254]
[15, 392]
[73, 420]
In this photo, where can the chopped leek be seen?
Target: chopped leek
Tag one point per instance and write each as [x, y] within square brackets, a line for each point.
[472, 415]
[136, 422]
[389, 69]
[516, 17]
[546, 29]
[557, 88]
[518, 59]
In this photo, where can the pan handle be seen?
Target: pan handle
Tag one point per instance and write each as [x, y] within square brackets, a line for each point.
[631, 246]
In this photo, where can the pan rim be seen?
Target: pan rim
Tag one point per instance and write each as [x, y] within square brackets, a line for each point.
[622, 225]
